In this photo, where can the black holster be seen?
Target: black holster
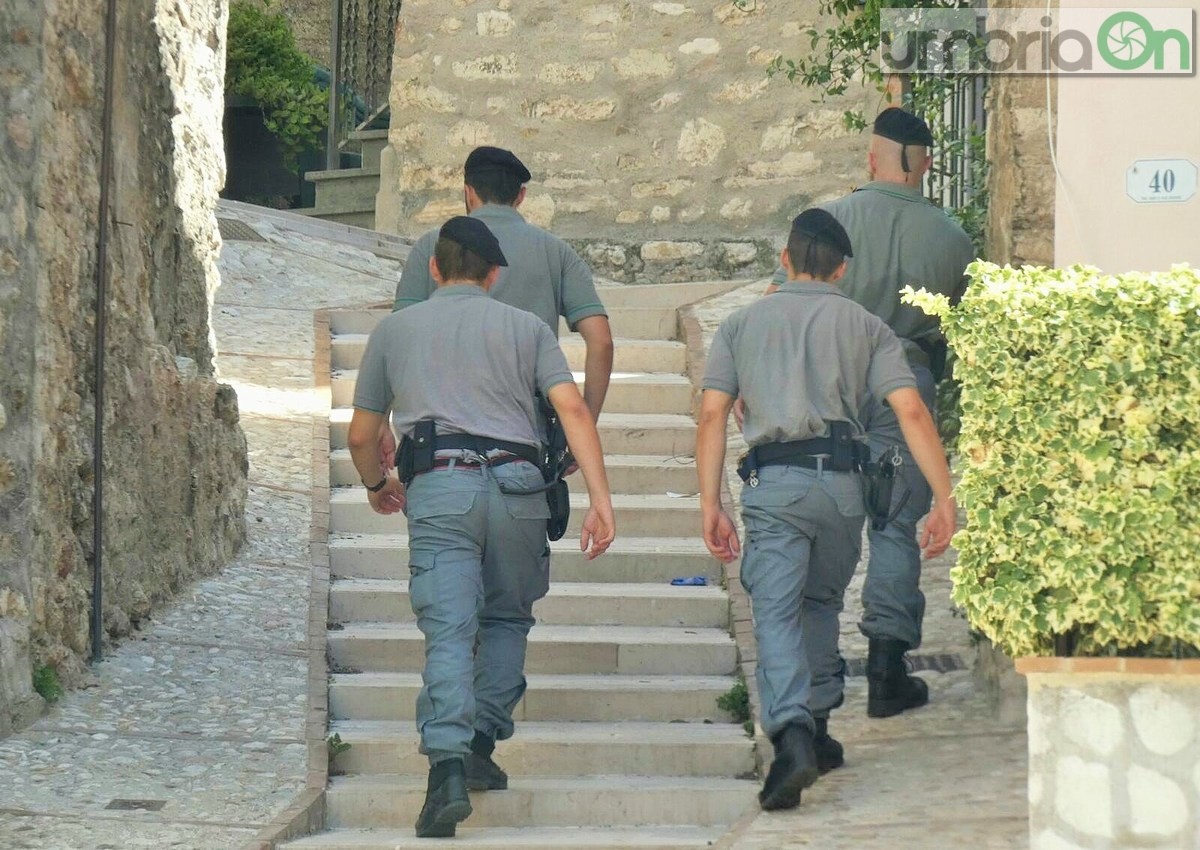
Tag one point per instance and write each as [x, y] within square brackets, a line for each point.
[556, 459]
[414, 455]
[879, 482]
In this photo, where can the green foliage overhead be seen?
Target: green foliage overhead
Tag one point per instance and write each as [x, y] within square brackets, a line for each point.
[264, 64]
[1081, 446]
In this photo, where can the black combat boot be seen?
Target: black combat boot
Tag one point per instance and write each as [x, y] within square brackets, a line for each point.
[483, 774]
[890, 690]
[830, 754]
[793, 770]
[446, 801]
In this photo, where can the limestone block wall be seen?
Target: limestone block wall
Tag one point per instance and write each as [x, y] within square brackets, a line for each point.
[657, 142]
[175, 455]
[1114, 761]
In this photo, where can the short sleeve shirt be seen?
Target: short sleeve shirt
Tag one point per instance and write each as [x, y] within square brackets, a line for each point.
[544, 276]
[802, 357]
[464, 360]
[900, 239]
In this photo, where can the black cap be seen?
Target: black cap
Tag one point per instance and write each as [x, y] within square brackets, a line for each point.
[903, 127]
[487, 158]
[473, 234]
[820, 226]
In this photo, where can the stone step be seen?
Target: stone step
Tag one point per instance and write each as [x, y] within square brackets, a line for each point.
[628, 392]
[382, 802]
[342, 214]
[630, 474]
[372, 142]
[664, 294]
[636, 515]
[519, 838]
[661, 434]
[384, 601]
[629, 355]
[349, 188]
[628, 650]
[627, 322]
[604, 698]
[630, 559]
[563, 749]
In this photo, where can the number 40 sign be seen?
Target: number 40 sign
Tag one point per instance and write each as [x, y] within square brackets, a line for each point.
[1161, 181]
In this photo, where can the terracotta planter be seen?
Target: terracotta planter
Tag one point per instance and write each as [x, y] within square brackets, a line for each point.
[1114, 753]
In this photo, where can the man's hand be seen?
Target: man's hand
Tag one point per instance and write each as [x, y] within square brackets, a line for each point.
[939, 527]
[599, 529]
[391, 499]
[387, 448]
[720, 536]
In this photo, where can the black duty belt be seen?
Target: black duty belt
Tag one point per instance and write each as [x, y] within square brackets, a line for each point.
[836, 453]
[483, 445]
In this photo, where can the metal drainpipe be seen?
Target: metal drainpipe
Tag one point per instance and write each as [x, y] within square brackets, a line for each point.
[106, 157]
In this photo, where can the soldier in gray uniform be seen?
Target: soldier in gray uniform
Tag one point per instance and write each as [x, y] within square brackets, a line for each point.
[545, 275]
[805, 359]
[471, 366]
[900, 239]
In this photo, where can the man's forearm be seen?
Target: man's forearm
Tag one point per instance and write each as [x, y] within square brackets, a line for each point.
[598, 361]
[710, 455]
[921, 434]
[584, 442]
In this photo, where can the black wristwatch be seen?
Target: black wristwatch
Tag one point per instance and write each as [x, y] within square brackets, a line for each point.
[377, 487]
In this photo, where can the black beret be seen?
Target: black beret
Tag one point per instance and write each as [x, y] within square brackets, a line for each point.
[473, 234]
[820, 226]
[488, 158]
[903, 127]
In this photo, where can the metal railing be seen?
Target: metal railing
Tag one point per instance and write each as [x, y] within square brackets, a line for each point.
[362, 40]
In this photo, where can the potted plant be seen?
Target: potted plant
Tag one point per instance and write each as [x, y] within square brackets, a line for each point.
[1080, 448]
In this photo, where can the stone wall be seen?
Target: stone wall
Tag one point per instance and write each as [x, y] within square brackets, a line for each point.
[1114, 761]
[657, 142]
[1021, 180]
[175, 456]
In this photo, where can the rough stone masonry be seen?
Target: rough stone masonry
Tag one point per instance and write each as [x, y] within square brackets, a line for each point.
[658, 143]
[175, 454]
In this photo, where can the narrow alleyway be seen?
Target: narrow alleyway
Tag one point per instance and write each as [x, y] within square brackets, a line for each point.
[191, 733]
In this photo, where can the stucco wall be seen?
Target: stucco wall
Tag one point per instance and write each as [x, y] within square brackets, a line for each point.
[175, 455]
[657, 142]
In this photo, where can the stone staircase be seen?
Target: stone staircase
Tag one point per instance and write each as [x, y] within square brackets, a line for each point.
[620, 743]
[347, 195]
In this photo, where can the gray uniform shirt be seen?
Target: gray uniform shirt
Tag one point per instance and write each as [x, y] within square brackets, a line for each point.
[544, 274]
[802, 357]
[899, 239]
[464, 360]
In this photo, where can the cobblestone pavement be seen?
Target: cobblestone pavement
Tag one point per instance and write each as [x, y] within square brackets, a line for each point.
[203, 709]
[948, 776]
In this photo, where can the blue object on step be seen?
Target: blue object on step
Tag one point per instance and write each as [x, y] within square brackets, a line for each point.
[690, 581]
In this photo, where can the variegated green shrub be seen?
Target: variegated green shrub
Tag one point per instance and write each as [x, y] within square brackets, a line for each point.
[1080, 455]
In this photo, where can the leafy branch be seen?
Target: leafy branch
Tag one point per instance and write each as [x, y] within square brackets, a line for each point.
[264, 64]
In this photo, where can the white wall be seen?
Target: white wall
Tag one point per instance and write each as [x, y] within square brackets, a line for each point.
[1104, 125]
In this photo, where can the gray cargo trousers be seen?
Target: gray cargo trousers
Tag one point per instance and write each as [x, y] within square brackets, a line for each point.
[803, 540]
[478, 561]
[892, 601]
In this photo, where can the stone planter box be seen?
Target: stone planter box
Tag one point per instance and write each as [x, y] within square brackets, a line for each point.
[1114, 753]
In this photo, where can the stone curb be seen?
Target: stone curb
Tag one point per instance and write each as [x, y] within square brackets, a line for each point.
[739, 600]
[306, 814]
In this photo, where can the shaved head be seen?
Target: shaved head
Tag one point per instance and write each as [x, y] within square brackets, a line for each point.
[886, 164]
